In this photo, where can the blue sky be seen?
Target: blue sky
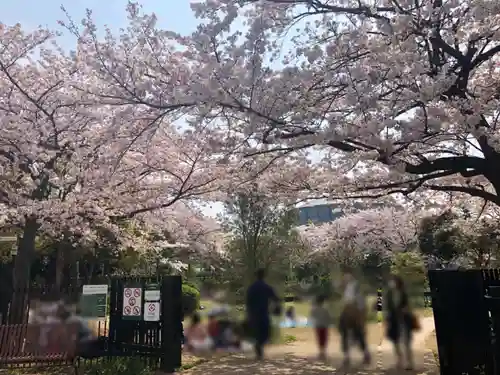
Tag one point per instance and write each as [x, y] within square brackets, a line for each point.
[174, 15]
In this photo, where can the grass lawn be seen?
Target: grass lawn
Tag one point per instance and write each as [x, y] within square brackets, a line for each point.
[301, 308]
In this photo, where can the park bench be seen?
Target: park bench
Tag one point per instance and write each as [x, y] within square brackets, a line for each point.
[38, 345]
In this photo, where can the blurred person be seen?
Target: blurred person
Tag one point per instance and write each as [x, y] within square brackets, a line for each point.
[259, 296]
[352, 321]
[197, 338]
[400, 321]
[88, 340]
[213, 329]
[290, 316]
[321, 320]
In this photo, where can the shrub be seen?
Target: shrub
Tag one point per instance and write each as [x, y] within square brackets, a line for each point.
[410, 266]
[117, 366]
[190, 299]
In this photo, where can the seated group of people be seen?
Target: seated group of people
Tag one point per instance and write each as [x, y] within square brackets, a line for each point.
[218, 334]
[58, 312]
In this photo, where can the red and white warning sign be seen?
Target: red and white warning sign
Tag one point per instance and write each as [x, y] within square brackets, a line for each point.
[132, 302]
[152, 311]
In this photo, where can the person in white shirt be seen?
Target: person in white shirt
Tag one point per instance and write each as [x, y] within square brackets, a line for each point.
[321, 320]
[353, 318]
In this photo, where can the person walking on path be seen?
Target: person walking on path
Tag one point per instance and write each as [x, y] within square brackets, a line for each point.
[352, 321]
[258, 299]
[321, 320]
[400, 321]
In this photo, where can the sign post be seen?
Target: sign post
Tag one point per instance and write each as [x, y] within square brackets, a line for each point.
[152, 303]
[94, 301]
[132, 302]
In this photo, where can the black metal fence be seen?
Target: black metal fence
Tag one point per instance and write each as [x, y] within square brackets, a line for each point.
[466, 306]
[156, 343]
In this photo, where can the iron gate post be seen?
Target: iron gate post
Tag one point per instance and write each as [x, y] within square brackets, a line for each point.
[171, 333]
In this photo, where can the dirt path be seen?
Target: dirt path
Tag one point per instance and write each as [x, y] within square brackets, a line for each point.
[299, 358]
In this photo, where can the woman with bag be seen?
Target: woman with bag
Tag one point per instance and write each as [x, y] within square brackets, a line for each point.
[400, 320]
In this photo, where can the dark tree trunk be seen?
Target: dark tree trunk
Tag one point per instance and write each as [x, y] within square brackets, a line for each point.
[59, 266]
[22, 272]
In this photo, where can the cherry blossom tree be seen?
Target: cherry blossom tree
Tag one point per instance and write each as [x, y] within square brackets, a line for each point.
[71, 166]
[393, 97]
[405, 94]
[348, 239]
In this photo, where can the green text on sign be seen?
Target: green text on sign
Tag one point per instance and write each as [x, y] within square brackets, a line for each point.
[93, 303]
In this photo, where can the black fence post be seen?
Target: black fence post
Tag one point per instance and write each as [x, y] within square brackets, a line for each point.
[461, 322]
[171, 333]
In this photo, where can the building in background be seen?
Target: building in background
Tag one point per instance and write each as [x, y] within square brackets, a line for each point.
[323, 211]
[318, 212]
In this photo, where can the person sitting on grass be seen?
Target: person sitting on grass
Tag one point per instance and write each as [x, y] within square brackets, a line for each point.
[232, 337]
[197, 338]
[214, 330]
[290, 317]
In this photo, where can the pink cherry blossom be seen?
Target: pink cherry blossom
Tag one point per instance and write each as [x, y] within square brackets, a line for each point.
[384, 231]
[397, 97]
[329, 98]
[71, 165]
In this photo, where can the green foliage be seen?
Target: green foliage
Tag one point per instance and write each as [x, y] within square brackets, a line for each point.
[117, 366]
[190, 299]
[262, 237]
[318, 275]
[410, 266]
[449, 236]
[483, 244]
[440, 238]
[374, 269]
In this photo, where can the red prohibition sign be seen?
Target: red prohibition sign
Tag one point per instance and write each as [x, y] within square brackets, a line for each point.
[137, 293]
[137, 311]
[131, 301]
[127, 310]
[152, 308]
[128, 293]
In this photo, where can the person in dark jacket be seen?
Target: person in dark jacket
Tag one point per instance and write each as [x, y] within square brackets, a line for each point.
[398, 317]
[258, 299]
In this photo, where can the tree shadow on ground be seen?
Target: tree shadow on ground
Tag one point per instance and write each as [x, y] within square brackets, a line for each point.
[293, 364]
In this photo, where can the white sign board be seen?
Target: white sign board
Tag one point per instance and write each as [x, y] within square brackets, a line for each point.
[132, 302]
[152, 295]
[94, 289]
[152, 311]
